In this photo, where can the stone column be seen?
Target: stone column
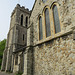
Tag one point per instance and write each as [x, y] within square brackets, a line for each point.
[25, 64]
[28, 64]
[2, 67]
[13, 57]
[19, 62]
[30, 61]
[4, 61]
[14, 64]
[8, 61]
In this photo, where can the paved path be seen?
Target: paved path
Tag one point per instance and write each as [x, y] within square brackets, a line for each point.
[3, 73]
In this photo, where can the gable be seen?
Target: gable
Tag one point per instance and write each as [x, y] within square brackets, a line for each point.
[36, 8]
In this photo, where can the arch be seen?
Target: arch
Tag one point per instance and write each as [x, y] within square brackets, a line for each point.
[26, 21]
[56, 18]
[22, 20]
[54, 3]
[47, 22]
[40, 28]
[47, 6]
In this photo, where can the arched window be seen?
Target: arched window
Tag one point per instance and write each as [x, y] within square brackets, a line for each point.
[40, 28]
[47, 22]
[26, 21]
[56, 19]
[21, 20]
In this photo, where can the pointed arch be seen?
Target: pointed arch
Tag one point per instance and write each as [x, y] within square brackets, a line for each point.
[54, 3]
[45, 8]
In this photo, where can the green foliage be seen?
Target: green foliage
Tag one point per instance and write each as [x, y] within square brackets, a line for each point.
[19, 73]
[2, 47]
[9, 72]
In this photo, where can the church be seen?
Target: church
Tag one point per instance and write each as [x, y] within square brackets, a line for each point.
[41, 41]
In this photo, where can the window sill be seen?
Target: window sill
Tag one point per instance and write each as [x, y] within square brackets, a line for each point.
[62, 33]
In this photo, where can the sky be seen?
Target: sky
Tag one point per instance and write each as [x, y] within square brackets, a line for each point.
[6, 8]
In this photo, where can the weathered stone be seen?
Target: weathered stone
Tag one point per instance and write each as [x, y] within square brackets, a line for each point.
[54, 55]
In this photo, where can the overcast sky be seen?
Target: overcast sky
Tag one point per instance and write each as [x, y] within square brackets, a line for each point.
[6, 8]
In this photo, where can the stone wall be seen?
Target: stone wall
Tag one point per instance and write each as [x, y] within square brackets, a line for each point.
[66, 11]
[56, 57]
[20, 32]
[28, 61]
[20, 36]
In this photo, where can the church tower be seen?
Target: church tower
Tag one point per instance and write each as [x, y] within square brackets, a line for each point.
[17, 36]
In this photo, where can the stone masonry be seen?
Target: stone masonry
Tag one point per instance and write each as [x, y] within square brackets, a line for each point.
[16, 38]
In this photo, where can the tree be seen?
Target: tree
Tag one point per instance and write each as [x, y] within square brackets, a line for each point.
[2, 47]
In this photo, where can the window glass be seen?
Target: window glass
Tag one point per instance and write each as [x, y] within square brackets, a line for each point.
[40, 29]
[56, 19]
[47, 23]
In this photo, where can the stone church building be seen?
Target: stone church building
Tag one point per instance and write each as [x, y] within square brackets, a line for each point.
[41, 41]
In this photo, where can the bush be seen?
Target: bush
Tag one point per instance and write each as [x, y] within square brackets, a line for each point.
[9, 71]
[19, 73]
